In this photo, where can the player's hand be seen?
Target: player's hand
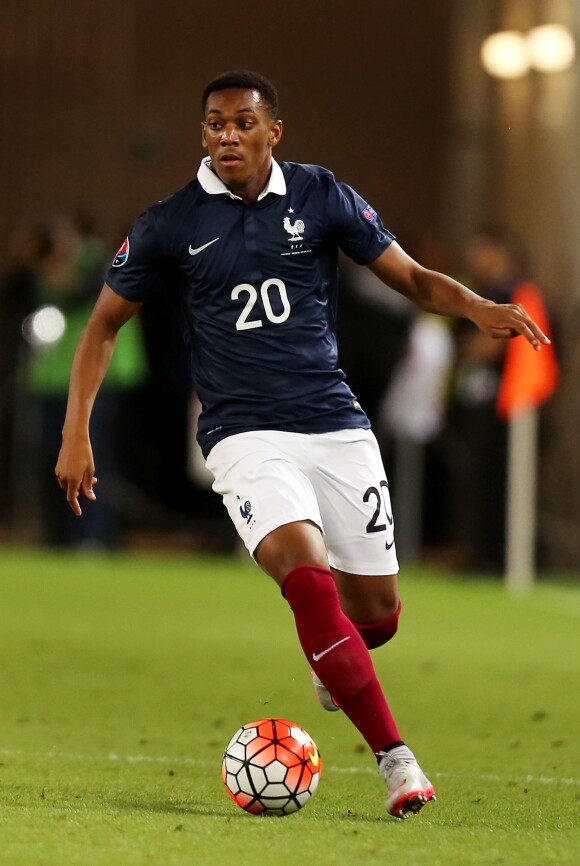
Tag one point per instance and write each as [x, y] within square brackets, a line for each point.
[75, 472]
[503, 321]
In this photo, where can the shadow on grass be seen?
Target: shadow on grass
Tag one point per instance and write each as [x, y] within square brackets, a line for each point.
[207, 811]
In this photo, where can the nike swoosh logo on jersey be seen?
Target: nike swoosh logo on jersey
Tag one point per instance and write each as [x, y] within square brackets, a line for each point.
[318, 656]
[194, 252]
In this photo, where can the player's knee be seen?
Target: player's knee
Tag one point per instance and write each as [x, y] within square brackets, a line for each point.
[290, 547]
[310, 587]
[375, 634]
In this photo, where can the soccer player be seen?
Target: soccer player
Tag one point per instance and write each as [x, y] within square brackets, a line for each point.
[252, 247]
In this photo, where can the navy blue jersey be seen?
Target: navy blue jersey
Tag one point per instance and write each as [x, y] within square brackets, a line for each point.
[258, 283]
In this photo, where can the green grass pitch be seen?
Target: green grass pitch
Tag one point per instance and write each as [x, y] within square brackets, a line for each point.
[122, 679]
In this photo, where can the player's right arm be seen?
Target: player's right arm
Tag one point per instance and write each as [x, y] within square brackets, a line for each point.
[75, 469]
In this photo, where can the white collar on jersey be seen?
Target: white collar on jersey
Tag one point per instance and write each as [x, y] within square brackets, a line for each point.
[211, 183]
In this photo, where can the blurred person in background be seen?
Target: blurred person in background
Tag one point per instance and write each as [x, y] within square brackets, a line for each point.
[23, 250]
[372, 328]
[495, 265]
[188, 513]
[411, 419]
[69, 277]
[252, 245]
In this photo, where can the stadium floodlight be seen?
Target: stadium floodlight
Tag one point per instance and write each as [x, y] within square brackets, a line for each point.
[506, 54]
[45, 326]
[551, 48]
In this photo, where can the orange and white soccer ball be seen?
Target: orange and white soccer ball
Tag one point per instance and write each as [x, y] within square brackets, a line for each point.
[271, 767]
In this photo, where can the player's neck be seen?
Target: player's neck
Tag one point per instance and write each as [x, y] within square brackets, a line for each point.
[250, 189]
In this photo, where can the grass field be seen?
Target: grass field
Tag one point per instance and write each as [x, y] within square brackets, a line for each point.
[122, 679]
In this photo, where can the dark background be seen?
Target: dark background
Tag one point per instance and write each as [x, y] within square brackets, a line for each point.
[101, 106]
[100, 115]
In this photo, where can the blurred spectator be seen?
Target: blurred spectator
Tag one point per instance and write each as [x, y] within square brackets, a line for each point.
[412, 416]
[412, 413]
[186, 511]
[23, 249]
[372, 328]
[495, 266]
[70, 276]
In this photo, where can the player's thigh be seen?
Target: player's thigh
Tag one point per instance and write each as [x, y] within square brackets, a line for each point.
[262, 488]
[367, 598]
[353, 496]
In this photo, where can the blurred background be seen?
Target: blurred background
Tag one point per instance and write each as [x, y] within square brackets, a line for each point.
[471, 158]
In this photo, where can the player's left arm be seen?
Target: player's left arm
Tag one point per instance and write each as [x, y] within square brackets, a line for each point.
[438, 293]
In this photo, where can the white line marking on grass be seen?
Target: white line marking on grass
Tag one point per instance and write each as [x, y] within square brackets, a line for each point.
[488, 777]
[478, 777]
[200, 762]
[112, 756]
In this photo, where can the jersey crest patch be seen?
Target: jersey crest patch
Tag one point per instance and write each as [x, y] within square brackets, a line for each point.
[295, 237]
[122, 255]
[369, 213]
[295, 230]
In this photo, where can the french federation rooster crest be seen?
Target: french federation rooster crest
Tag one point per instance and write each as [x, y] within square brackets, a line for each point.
[295, 231]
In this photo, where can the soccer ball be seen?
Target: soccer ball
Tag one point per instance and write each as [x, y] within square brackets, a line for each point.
[271, 767]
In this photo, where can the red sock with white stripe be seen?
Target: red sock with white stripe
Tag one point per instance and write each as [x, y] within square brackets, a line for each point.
[338, 654]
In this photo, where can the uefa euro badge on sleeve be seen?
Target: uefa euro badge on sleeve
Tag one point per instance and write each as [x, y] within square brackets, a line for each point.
[122, 255]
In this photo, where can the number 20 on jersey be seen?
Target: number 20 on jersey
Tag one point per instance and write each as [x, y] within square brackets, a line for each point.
[250, 318]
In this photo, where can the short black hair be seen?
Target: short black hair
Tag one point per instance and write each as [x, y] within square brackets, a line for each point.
[245, 80]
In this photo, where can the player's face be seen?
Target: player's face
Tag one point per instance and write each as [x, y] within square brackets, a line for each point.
[239, 133]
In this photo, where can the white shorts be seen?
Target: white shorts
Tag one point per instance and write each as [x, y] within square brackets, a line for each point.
[268, 478]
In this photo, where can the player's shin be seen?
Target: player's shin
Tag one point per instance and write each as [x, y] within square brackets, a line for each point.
[338, 654]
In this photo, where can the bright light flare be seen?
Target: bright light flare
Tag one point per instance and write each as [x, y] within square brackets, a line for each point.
[506, 54]
[45, 326]
[551, 48]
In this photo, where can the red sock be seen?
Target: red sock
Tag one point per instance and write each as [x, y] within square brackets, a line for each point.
[338, 654]
[378, 633]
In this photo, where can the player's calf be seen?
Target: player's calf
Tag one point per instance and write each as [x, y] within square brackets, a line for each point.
[324, 697]
[338, 654]
[376, 634]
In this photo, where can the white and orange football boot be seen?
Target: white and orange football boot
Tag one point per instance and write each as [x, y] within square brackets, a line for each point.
[408, 788]
[323, 694]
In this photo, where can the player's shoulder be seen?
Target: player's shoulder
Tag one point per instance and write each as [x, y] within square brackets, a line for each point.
[307, 174]
[174, 204]
[160, 221]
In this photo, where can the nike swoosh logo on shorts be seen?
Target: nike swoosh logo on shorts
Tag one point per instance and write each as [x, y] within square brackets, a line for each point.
[318, 656]
[194, 252]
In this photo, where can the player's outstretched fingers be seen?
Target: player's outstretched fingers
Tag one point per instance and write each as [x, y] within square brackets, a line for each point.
[523, 324]
[72, 497]
[87, 485]
[512, 320]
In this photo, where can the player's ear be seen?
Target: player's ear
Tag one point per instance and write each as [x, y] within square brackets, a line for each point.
[203, 139]
[276, 130]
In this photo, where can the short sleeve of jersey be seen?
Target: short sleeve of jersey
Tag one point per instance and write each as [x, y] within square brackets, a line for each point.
[135, 272]
[359, 230]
